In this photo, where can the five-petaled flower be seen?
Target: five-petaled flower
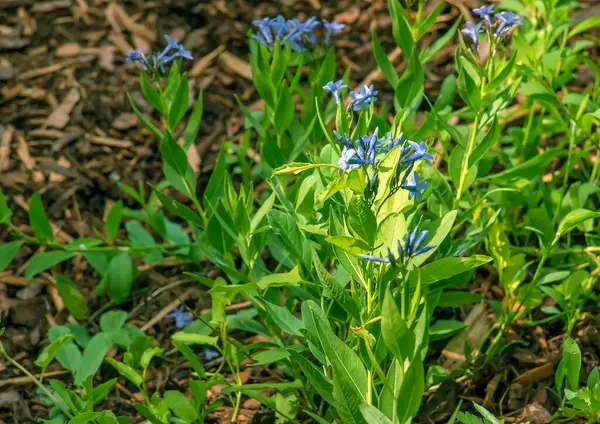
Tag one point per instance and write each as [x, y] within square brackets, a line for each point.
[334, 88]
[507, 21]
[182, 318]
[485, 12]
[415, 187]
[419, 153]
[137, 56]
[332, 28]
[363, 98]
[472, 30]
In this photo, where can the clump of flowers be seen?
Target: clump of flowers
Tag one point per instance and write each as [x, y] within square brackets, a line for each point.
[364, 152]
[157, 61]
[310, 33]
[497, 26]
[413, 246]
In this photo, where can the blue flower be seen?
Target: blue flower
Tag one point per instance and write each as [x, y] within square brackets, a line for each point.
[412, 247]
[413, 241]
[507, 21]
[343, 138]
[345, 159]
[415, 187]
[472, 30]
[211, 354]
[363, 98]
[172, 44]
[136, 56]
[391, 142]
[332, 28]
[279, 25]
[373, 258]
[420, 152]
[264, 29]
[367, 148]
[334, 88]
[182, 318]
[485, 12]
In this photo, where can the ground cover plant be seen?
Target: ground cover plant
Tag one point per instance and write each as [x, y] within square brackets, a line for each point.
[353, 226]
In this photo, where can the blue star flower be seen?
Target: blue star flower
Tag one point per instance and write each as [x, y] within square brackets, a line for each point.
[137, 56]
[332, 28]
[507, 21]
[345, 162]
[182, 318]
[472, 30]
[367, 148]
[264, 29]
[279, 25]
[334, 88]
[415, 187]
[485, 13]
[363, 98]
[420, 152]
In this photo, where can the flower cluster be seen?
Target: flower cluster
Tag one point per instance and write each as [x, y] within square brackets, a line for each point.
[158, 61]
[365, 149]
[360, 99]
[499, 24]
[299, 34]
[413, 246]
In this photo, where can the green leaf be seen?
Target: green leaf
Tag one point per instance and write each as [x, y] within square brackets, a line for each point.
[572, 219]
[113, 220]
[174, 155]
[283, 279]
[445, 268]
[201, 339]
[349, 244]
[181, 405]
[347, 366]
[572, 360]
[284, 319]
[74, 300]
[157, 133]
[401, 28]
[287, 229]
[284, 110]
[127, 372]
[51, 350]
[586, 25]
[399, 339]
[490, 138]
[255, 124]
[5, 212]
[347, 402]
[93, 355]
[529, 169]
[113, 321]
[266, 357]
[191, 356]
[180, 103]
[362, 220]
[455, 299]
[336, 290]
[8, 251]
[373, 415]
[387, 67]
[120, 277]
[138, 236]
[318, 380]
[193, 126]
[411, 391]
[69, 356]
[178, 209]
[38, 218]
[445, 328]
[298, 167]
[43, 261]
[151, 94]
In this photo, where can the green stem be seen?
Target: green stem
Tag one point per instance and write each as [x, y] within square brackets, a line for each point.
[464, 170]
